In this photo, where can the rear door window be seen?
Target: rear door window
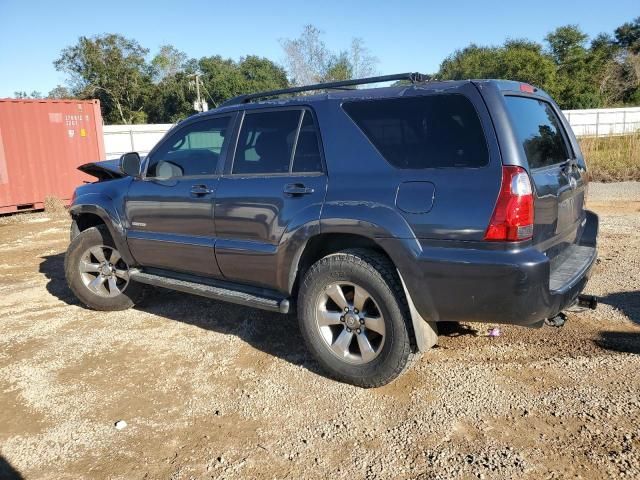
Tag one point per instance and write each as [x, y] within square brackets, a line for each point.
[266, 141]
[538, 130]
[307, 157]
[423, 131]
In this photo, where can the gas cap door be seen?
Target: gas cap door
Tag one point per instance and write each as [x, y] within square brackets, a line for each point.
[415, 197]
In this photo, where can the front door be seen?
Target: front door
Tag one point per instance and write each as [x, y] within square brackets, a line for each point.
[170, 210]
[275, 183]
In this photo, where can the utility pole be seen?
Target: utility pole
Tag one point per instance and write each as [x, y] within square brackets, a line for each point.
[200, 105]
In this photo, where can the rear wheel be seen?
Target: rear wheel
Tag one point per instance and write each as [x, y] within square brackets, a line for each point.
[97, 273]
[354, 318]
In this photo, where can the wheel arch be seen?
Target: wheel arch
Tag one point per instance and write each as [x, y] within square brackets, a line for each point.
[100, 212]
[326, 243]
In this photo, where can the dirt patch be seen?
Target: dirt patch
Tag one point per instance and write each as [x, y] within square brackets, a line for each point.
[211, 390]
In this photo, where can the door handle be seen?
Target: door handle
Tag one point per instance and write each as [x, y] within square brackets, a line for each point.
[297, 189]
[201, 190]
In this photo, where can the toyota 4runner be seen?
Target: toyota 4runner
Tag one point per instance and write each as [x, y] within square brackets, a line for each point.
[372, 213]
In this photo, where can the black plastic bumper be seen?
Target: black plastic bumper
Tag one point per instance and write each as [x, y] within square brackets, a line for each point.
[521, 287]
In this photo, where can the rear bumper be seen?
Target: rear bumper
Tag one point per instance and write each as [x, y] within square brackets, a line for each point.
[521, 287]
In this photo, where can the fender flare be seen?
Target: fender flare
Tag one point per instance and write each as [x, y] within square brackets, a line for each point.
[110, 218]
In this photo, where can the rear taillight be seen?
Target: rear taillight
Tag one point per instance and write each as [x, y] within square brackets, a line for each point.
[512, 217]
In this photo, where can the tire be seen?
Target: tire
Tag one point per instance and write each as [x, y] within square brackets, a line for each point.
[125, 295]
[385, 355]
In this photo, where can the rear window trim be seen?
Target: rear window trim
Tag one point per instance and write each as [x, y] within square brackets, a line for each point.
[567, 142]
[429, 94]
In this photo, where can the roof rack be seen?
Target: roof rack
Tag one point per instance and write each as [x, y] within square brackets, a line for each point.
[414, 77]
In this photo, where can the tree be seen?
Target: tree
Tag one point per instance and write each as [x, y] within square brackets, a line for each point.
[24, 95]
[167, 62]
[223, 78]
[628, 36]
[338, 68]
[113, 69]
[519, 60]
[309, 61]
[171, 99]
[577, 76]
[60, 93]
[361, 62]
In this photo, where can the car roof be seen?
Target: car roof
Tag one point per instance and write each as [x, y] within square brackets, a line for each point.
[364, 94]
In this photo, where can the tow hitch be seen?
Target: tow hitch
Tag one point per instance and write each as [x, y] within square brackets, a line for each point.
[588, 301]
[584, 301]
[557, 321]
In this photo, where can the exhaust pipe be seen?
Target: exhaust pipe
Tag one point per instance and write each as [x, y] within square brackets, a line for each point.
[588, 301]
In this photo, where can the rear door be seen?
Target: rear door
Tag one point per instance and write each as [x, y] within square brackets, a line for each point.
[276, 182]
[558, 171]
[170, 210]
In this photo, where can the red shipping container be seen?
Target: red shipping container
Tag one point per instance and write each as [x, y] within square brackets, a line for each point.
[42, 142]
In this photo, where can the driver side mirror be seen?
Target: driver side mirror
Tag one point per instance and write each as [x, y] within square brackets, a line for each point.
[130, 164]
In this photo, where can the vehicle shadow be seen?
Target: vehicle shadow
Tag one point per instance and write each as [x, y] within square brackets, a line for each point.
[456, 329]
[272, 333]
[7, 472]
[626, 342]
[627, 302]
[52, 267]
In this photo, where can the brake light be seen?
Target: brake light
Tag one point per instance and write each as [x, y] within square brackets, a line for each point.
[525, 87]
[512, 217]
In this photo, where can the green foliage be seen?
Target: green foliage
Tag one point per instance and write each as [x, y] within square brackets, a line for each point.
[338, 68]
[60, 92]
[113, 69]
[516, 60]
[604, 73]
[224, 78]
[628, 36]
[168, 62]
[133, 88]
[24, 95]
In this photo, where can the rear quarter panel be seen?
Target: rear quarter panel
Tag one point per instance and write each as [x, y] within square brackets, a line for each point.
[363, 186]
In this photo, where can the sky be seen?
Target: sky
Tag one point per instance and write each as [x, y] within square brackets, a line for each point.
[405, 35]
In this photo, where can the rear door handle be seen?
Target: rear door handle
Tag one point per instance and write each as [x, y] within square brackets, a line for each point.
[297, 189]
[201, 190]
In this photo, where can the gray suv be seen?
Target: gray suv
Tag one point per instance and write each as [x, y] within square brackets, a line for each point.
[372, 213]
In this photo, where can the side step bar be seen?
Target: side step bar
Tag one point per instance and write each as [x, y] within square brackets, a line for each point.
[216, 292]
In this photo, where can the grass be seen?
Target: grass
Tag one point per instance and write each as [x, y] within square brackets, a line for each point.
[612, 159]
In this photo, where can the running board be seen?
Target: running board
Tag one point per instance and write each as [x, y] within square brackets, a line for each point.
[273, 303]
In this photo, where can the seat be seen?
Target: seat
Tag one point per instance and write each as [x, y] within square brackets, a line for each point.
[273, 151]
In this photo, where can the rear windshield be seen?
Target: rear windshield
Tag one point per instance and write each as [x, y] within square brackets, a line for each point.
[423, 132]
[538, 130]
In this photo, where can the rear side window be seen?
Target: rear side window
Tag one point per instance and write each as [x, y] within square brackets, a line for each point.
[538, 130]
[423, 132]
[266, 142]
[307, 156]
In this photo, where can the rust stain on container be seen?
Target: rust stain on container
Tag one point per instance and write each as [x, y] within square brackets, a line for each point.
[42, 142]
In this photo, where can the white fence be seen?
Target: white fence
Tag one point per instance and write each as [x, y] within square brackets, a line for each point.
[604, 121]
[119, 139]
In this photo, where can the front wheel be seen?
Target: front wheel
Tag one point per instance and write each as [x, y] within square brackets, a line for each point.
[355, 319]
[97, 274]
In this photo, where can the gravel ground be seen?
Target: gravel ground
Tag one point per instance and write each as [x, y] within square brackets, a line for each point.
[210, 390]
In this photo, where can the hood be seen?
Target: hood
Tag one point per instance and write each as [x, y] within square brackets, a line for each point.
[105, 170]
